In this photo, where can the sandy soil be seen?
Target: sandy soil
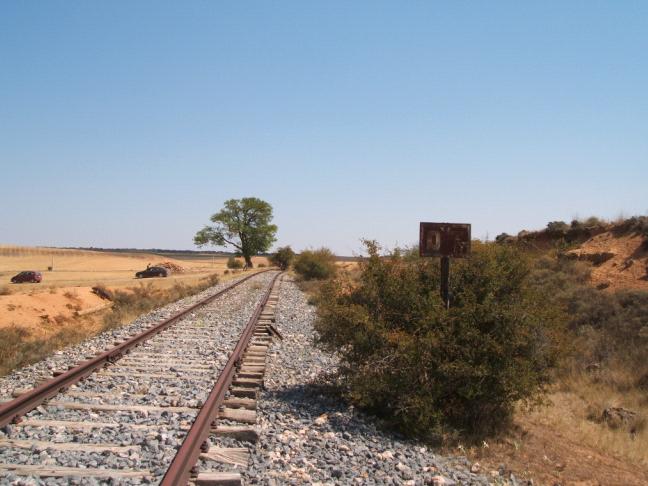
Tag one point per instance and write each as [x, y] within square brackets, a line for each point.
[66, 289]
[626, 269]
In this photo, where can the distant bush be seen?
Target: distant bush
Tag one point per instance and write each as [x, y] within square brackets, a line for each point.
[261, 265]
[635, 224]
[234, 263]
[5, 290]
[432, 371]
[557, 229]
[315, 264]
[283, 257]
[504, 238]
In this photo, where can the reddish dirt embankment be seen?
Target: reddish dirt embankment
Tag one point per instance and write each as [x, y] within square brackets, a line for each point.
[618, 262]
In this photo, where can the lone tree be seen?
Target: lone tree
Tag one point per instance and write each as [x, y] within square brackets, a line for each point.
[242, 223]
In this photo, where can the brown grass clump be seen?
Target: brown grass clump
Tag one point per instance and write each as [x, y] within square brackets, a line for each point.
[5, 290]
[18, 349]
[140, 299]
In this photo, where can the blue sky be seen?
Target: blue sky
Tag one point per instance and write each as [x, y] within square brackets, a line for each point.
[126, 124]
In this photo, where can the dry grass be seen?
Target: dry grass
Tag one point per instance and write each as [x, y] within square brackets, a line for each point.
[84, 268]
[579, 404]
[18, 348]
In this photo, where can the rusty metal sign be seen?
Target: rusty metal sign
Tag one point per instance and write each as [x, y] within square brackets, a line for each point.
[444, 240]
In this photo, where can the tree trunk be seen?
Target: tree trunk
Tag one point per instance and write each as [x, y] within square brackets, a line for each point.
[248, 261]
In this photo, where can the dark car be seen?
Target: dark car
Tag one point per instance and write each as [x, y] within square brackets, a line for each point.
[153, 272]
[29, 276]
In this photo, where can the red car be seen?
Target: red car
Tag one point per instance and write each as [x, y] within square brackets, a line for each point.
[22, 277]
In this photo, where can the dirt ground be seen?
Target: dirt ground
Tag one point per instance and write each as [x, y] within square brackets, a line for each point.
[553, 446]
[66, 290]
[627, 266]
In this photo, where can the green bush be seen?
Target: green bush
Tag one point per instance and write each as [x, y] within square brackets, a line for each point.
[315, 264]
[283, 257]
[431, 371]
[234, 263]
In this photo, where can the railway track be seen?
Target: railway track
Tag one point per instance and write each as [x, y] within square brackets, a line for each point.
[173, 405]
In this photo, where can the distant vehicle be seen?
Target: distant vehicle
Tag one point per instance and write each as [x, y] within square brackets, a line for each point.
[153, 272]
[28, 276]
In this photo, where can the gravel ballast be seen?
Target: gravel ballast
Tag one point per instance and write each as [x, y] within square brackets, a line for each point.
[29, 376]
[309, 436]
[172, 373]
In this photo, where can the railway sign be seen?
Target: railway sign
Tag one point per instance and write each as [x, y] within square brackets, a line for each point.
[444, 240]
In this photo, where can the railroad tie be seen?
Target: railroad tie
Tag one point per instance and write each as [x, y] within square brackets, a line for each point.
[218, 479]
[59, 471]
[239, 415]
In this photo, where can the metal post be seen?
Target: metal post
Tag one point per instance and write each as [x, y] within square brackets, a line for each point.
[445, 275]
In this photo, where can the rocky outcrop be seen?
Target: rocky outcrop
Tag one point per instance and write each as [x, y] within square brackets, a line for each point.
[596, 258]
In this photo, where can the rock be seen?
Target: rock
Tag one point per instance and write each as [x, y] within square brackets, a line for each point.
[388, 455]
[475, 468]
[403, 468]
[437, 481]
[321, 420]
[618, 417]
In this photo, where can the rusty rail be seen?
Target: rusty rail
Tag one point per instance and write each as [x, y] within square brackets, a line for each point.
[29, 400]
[187, 456]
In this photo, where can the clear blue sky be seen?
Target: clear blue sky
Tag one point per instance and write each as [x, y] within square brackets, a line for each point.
[126, 124]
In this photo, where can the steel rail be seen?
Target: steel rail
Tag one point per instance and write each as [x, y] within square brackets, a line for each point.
[12, 410]
[188, 453]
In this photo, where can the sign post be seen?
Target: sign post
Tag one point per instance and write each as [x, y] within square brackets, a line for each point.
[444, 240]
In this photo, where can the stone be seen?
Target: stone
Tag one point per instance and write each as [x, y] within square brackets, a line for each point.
[321, 420]
[618, 417]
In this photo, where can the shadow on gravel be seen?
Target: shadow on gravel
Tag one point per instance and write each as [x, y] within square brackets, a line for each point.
[322, 404]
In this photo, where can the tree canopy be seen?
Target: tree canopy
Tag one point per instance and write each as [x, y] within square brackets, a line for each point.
[244, 224]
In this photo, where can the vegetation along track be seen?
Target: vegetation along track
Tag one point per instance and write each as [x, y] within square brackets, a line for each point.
[143, 411]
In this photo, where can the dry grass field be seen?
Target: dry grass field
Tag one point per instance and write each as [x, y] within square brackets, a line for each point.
[66, 289]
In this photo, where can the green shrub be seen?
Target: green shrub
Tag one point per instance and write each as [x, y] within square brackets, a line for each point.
[315, 264]
[431, 371]
[283, 257]
[234, 263]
